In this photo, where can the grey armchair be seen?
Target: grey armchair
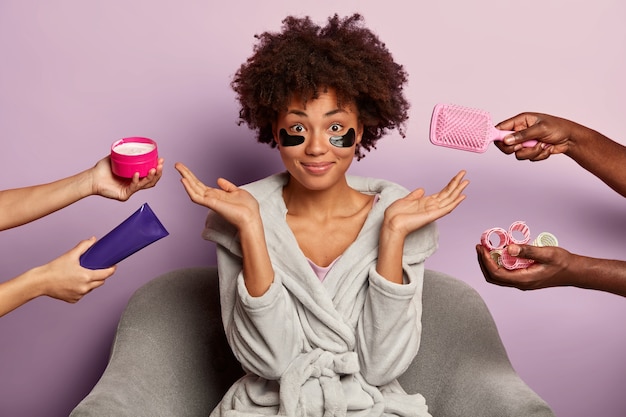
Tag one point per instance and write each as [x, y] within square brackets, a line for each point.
[170, 356]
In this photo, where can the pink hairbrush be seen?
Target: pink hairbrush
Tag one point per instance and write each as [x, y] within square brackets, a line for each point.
[466, 129]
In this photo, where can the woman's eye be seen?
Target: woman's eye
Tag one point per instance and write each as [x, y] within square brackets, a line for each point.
[297, 128]
[336, 128]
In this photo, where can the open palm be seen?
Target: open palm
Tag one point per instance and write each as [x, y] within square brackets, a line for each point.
[416, 210]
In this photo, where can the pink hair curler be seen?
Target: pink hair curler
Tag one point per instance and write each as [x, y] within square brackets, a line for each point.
[518, 233]
[464, 128]
[501, 234]
[513, 262]
[519, 227]
[134, 154]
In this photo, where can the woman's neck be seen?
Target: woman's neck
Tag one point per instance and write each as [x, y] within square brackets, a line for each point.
[340, 200]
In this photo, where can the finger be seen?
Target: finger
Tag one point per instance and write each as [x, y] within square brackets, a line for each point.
[534, 132]
[148, 181]
[83, 245]
[100, 275]
[450, 205]
[456, 180]
[135, 179]
[454, 189]
[95, 284]
[416, 194]
[154, 174]
[458, 177]
[191, 182]
[486, 263]
[511, 123]
[195, 189]
[184, 171]
[522, 153]
[544, 154]
[541, 254]
[449, 187]
[518, 122]
[226, 185]
[193, 185]
[506, 149]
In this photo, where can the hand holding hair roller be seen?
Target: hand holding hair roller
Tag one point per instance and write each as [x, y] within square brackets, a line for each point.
[518, 233]
[466, 129]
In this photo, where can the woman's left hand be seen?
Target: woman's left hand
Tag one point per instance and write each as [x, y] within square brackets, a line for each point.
[417, 210]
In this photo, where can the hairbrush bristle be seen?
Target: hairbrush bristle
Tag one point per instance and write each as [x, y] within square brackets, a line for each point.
[460, 127]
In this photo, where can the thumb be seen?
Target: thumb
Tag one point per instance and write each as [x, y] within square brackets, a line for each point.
[83, 245]
[417, 194]
[226, 185]
[535, 253]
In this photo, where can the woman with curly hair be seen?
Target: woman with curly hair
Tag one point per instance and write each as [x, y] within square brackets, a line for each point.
[321, 273]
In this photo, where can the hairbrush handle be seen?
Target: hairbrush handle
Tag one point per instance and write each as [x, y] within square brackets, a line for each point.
[498, 134]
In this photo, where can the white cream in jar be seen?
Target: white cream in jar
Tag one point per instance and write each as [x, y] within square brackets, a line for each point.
[134, 148]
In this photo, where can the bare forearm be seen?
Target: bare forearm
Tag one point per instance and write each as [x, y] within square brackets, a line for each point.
[599, 274]
[22, 205]
[390, 251]
[601, 156]
[19, 291]
[257, 268]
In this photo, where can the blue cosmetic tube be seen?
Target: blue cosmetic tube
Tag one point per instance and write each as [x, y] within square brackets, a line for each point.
[136, 232]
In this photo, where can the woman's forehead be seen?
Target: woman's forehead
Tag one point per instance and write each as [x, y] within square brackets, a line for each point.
[325, 101]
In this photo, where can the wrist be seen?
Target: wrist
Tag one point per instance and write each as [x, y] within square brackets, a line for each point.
[390, 237]
[390, 252]
[33, 282]
[579, 139]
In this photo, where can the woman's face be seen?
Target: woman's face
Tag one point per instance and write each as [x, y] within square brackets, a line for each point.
[317, 142]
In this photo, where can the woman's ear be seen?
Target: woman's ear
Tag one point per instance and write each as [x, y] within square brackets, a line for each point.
[275, 135]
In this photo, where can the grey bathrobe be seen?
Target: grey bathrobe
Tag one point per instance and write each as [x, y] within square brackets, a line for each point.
[321, 348]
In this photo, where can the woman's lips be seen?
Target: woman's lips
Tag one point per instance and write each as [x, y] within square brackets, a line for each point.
[317, 167]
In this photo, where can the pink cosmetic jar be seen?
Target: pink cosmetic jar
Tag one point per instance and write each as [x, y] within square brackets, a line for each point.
[134, 154]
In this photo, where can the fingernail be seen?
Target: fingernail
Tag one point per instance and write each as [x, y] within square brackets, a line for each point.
[513, 250]
[509, 140]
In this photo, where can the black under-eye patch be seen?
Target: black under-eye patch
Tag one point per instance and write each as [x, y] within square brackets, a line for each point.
[345, 141]
[289, 140]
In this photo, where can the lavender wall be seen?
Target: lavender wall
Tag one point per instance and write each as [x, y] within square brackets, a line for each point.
[77, 75]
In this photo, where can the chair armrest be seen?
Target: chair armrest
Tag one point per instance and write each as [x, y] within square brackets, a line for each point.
[170, 356]
[462, 367]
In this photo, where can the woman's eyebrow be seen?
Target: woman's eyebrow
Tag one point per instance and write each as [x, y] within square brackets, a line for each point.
[327, 114]
[333, 112]
[297, 112]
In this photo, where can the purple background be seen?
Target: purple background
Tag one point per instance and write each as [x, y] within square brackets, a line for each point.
[77, 75]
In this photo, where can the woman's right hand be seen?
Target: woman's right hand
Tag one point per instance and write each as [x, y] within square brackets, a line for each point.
[234, 204]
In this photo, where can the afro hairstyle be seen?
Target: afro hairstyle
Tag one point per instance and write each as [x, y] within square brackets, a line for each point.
[304, 59]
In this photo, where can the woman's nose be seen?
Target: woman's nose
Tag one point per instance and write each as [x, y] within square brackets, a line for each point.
[317, 144]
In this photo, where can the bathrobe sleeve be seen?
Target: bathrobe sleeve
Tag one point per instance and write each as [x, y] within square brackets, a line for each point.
[263, 332]
[389, 329]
